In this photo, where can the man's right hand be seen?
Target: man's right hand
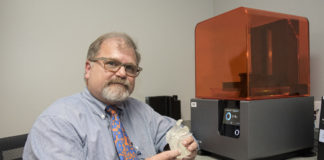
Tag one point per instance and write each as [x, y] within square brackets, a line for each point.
[166, 155]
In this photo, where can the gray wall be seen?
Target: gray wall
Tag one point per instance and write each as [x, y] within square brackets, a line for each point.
[43, 46]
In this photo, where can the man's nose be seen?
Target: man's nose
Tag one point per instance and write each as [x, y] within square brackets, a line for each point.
[121, 72]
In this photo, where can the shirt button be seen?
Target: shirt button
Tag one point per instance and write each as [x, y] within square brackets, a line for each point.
[103, 116]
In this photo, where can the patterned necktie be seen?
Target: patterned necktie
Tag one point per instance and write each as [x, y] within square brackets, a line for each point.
[123, 145]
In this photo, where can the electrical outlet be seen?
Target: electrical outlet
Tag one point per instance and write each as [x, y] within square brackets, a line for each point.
[317, 112]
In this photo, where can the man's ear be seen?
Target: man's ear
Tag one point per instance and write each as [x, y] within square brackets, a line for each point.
[87, 69]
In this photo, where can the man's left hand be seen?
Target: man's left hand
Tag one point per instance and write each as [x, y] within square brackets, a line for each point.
[192, 147]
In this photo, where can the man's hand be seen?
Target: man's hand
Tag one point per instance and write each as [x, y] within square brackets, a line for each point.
[188, 142]
[192, 147]
[166, 155]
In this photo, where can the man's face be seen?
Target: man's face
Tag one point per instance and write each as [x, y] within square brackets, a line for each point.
[107, 86]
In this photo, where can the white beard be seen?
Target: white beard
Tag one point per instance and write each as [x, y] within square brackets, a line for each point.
[115, 93]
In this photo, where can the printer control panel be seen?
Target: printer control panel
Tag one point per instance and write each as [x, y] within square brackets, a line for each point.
[229, 118]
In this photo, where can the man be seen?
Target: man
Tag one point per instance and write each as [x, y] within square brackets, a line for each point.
[103, 122]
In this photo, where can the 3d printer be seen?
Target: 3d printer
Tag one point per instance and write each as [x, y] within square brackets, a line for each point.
[252, 84]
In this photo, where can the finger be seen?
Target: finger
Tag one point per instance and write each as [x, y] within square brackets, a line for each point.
[167, 155]
[193, 146]
[187, 141]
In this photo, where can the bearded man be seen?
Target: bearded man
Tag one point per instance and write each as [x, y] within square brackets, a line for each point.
[103, 122]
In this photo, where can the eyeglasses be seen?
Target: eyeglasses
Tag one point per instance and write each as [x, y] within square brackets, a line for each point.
[114, 65]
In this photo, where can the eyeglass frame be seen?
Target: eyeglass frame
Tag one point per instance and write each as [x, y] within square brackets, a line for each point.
[104, 59]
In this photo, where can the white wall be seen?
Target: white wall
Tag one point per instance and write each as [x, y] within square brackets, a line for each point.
[313, 10]
[43, 45]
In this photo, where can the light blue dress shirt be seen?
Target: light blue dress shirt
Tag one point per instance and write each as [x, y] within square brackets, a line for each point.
[77, 127]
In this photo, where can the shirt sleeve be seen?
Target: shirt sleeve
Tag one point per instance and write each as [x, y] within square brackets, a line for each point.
[53, 138]
[161, 125]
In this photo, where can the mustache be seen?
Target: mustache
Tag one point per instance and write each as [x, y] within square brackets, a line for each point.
[123, 82]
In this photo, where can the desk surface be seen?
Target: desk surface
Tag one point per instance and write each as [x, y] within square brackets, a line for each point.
[201, 157]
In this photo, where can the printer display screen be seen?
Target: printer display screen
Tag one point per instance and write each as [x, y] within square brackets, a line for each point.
[231, 116]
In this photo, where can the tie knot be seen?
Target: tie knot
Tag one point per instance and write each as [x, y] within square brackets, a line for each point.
[111, 109]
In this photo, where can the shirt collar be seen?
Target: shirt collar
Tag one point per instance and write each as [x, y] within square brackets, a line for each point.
[99, 107]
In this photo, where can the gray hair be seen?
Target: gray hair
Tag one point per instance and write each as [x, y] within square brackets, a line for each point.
[95, 46]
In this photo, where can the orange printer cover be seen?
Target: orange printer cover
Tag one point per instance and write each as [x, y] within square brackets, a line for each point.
[249, 54]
